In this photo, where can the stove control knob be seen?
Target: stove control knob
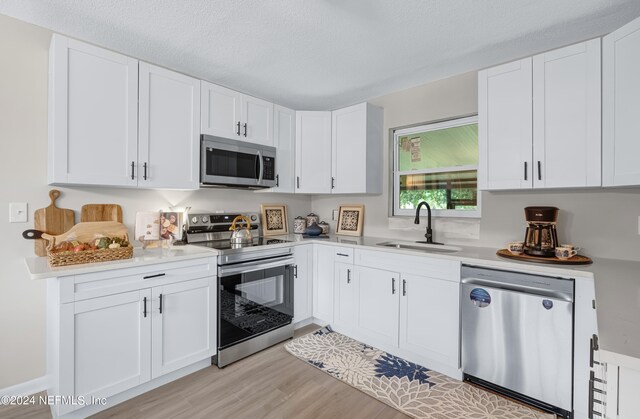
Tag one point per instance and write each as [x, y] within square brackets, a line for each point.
[205, 219]
[254, 218]
[194, 220]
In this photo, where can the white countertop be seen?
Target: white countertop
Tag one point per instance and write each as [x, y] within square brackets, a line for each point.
[39, 266]
[617, 282]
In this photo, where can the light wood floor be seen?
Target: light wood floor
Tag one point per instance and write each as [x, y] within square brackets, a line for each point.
[269, 384]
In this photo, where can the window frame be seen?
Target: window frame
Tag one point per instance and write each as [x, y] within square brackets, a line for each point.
[425, 127]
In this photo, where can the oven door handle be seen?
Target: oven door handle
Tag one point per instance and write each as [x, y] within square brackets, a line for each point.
[254, 266]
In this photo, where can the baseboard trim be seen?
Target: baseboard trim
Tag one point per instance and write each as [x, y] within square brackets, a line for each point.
[27, 388]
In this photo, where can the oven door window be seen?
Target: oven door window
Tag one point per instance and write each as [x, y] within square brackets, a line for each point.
[253, 303]
[233, 164]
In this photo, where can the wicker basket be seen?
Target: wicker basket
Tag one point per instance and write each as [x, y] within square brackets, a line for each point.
[88, 256]
[86, 232]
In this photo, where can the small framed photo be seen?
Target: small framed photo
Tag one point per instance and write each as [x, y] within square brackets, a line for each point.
[274, 219]
[350, 220]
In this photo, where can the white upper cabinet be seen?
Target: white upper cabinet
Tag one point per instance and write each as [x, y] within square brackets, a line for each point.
[313, 152]
[169, 135]
[356, 144]
[93, 115]
[567, 117]
[539, 121]
[257, 115]
[230, 114]
[504, 126]
[621, 106]
[220, 110]
[284, 136]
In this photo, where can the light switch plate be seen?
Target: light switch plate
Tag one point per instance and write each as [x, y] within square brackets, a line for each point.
[18, 212]
[334, 216]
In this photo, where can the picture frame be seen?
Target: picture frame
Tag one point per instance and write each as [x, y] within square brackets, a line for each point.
[350, 220]
[274, 219]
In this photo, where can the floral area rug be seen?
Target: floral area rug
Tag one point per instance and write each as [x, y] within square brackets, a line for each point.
[403, 385]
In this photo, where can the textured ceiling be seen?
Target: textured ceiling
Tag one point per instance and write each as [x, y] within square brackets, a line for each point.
[325, 54]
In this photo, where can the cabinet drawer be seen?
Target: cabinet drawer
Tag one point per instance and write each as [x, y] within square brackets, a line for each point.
[343, 254]
[418, 265]
[82, 287]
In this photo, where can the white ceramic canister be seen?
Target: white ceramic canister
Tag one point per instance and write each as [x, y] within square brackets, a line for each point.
[324, 226]
[312, 218]
[299, 225]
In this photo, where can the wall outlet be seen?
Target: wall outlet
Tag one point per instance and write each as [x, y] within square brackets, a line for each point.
[18, 212]
[334, 216]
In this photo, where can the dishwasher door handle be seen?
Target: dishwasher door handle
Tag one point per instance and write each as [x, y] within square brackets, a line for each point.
[498, 285]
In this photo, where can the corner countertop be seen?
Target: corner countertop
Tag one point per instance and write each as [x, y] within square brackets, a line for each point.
[39, 266]
[617, 282]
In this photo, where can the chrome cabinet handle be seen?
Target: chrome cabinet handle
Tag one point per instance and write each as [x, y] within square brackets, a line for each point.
[393, 285]
[132, 167]
[404, 287]
[348, 276]
[238, 128]
[295, 271]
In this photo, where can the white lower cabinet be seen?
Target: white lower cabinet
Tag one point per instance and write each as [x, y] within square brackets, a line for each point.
[389, 302]
[430, 318]
[323, 283]
[148, 322]
[622, 386]
[107, 343]
[378, 303]
[181, 333]
[346, 288]
[302, 284]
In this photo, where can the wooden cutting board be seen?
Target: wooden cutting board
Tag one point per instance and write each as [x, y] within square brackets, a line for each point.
[52, 220]
[101, 212]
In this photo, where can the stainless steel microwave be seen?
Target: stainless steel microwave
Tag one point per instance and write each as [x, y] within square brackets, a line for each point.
[236, 164]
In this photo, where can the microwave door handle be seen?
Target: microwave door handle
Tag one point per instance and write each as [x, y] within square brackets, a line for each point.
[261, 167]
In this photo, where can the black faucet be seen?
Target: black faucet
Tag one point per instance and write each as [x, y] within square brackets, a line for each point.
[429, 234]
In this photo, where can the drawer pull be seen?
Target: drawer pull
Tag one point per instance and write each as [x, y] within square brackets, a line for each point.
[153, 276]
[342, 254]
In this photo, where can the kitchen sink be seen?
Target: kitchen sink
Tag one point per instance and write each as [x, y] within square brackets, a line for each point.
[421, 247]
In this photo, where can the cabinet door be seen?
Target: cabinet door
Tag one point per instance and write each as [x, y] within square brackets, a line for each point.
[93, 114]
[302, 289]
[505, 126]
[169, 135]
[257, 117]
[184, 325]
[566, 117]
[345, 311]
[621, 106]
[378, 305]
[313, 152]
[430, 318]
[105, 344]
[284, 129]
[348, 147]
[323, 259]
[220, 111]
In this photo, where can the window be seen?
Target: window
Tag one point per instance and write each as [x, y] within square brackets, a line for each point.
[437, 163]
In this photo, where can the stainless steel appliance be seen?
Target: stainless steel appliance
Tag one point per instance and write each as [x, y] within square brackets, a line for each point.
[255, 285]
[517, 336]
[237, 164]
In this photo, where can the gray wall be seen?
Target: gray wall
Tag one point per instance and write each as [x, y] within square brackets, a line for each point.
[603, 222]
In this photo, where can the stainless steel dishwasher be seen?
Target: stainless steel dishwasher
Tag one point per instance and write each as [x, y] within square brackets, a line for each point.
[517, 336]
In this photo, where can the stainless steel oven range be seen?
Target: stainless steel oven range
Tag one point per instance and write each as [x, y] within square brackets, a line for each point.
[255, 286]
